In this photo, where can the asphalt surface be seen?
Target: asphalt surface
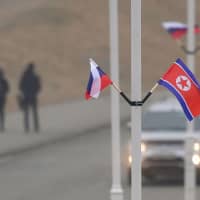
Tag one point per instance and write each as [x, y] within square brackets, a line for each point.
[57, 122]
[72, 169]
[81, 118]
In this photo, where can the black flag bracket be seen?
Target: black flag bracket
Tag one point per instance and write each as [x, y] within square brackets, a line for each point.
[185, 50]
[135, 103]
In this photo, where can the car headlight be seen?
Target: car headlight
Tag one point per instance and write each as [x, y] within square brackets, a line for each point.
[196, 159]
[143, 147]
[196, 147]
[129, 159]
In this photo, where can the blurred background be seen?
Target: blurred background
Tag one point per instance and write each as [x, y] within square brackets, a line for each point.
[60, 36]
[71, 157]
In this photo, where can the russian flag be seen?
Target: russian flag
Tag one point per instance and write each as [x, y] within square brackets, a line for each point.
[177, 30]
[98, 80]
[182, 83]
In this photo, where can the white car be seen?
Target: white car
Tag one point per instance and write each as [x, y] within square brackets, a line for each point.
[163, 137]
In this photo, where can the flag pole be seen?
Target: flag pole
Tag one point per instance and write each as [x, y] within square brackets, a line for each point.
[134, 103]
[116, 87]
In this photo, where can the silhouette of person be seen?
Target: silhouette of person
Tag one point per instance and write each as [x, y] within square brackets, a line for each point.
[30, 86]
[4, 89]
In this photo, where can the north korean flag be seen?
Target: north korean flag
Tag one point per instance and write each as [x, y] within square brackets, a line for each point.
[182, 83]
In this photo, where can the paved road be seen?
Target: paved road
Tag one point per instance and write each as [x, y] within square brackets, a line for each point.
[57, 122]
[78, 168]
[72, 169]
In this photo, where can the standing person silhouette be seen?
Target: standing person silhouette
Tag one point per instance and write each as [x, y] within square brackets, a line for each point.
[30, 87]
[4, 89]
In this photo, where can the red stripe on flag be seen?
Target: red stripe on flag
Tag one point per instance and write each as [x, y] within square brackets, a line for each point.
[178, 34]
[105, 81]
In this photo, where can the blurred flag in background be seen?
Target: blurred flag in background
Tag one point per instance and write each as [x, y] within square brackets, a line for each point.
[177, 29]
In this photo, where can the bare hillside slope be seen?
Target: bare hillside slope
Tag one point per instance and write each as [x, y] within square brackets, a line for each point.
[60, 36]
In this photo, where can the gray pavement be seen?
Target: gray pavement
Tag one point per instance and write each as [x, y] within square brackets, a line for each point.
[58, 122]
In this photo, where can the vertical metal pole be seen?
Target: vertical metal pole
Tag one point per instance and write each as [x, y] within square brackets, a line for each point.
[190, 175]
[136, 174]
[116, 191]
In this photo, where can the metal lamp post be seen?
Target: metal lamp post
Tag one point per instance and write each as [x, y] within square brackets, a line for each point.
[136, 186]
[116, 191]
[190, 175]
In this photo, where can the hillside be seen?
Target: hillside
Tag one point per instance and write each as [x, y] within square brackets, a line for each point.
[60, 36]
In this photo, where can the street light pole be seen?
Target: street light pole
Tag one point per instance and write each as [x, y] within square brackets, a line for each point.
[190, 175]
[116, 191]
[136, 174]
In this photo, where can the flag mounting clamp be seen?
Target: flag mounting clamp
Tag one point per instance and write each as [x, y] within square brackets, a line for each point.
[185, 50]
[135, 103]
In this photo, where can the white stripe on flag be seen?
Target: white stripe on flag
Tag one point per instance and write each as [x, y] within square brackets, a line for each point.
[168, 25]
[96, 84]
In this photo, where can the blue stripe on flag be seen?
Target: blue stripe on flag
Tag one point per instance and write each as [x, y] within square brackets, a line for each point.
[89, 86]
[101, 72]
[179, 98]
[172, 30]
